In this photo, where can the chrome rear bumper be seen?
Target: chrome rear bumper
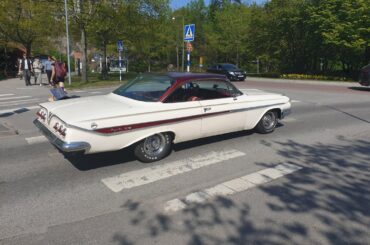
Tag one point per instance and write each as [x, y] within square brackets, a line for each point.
[60, 144]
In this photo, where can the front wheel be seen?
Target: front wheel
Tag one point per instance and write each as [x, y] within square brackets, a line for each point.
[267, 123]
[154, 147]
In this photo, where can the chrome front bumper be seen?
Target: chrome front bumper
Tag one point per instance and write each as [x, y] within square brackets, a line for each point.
[60, 144]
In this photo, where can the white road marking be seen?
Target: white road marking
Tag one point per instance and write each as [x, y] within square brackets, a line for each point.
[289, 119]
[295, 101]
[2, 95]
[17, 97]
[36, 140]
[96, 92]
[17, 109]
[163, 171]
[78, 91]
[17, 102]
[232, 186]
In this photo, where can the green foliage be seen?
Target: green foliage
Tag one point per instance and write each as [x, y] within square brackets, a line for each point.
[285, 36]
[27, 22]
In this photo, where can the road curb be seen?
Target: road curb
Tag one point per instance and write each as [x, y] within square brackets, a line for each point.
[315, 82]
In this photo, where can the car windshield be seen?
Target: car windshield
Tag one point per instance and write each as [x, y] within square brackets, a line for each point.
[229, 66]
[147, 88]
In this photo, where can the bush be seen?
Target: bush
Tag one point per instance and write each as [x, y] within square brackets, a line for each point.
[267, 75]
[313, 77]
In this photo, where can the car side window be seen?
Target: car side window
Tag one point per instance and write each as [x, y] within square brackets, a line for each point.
[208, 89]
[202, 90]
[185, 92]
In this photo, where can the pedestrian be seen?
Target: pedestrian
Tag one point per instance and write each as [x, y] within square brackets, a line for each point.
[58, 73]
[26, 68]
[20, 74]
[37, 69]
[48, 69]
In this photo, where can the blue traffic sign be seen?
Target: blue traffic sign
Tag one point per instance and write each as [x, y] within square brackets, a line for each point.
[120, 45]
[189, 32]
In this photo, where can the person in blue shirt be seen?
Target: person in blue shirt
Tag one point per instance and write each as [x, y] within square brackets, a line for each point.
[48, 68]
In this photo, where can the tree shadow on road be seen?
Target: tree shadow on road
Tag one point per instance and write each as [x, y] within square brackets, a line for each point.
[327, 202]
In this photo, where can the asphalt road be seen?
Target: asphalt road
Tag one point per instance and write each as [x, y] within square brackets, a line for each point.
[317, 191]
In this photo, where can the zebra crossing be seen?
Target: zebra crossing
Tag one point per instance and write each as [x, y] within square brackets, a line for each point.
[9, 99]
[11, 103]
[143, 177]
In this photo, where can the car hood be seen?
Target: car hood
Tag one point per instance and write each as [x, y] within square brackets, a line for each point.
[81, 110]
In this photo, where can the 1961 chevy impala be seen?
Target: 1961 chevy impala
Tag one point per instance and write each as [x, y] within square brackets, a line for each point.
[152, 112]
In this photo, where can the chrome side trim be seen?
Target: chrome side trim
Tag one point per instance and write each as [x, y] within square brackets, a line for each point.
[60, 144]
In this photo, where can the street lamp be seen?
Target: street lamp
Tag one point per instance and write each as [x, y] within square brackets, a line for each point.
[183, 46]
[68, 58]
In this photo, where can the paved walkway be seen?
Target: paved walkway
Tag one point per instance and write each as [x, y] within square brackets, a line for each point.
[259, 79]
[334, 83]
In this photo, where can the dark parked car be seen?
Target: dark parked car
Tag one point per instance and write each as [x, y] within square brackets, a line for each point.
[365, 76]
[232, 72]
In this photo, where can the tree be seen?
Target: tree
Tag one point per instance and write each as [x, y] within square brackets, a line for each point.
[27, 22]
[344, 26]
[83, 12]
[105, 28]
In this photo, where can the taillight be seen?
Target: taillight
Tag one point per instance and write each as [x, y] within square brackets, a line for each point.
[42, 115]
[60, 129]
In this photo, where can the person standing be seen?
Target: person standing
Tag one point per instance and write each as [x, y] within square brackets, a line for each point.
[58, 74]
[26, 68]
[48, 69]
[37, 69]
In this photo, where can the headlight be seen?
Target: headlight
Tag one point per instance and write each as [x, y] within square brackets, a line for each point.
[231, 73]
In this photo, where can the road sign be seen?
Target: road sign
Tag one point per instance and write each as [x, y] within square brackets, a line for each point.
[189, 46]
[189, 32]
[120, 45]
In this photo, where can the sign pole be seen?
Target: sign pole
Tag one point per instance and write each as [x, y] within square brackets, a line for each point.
[120, 65]
[67, 32]
[120, 49]
[188, 60]
[189, 32]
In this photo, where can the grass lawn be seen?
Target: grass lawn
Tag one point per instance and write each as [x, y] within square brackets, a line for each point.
[95, 81]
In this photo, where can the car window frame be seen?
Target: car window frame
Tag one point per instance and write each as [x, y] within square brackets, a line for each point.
[234, 91]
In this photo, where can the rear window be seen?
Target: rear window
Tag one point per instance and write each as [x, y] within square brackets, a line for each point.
[149, 88]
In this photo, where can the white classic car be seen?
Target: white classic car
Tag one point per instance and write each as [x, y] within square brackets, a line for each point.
[152, 112]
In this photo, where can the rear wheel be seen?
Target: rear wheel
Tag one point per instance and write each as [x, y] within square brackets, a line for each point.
[154, 147]
[267, 123]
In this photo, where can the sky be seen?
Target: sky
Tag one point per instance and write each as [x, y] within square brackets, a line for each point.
[180, 3]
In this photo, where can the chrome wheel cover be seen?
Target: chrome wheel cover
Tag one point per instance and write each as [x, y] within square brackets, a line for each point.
[154, 145]
[269, 120]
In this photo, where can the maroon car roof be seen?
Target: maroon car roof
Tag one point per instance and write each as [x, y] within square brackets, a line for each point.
[184, 76]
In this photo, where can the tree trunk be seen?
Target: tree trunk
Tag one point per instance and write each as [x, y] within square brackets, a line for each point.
[104, 70]
[84, 77]
[28, 47]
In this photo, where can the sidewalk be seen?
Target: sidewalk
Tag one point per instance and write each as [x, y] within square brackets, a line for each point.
[249, 78]
[316, 82]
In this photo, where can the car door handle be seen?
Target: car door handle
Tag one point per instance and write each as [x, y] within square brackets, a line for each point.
[207, 109]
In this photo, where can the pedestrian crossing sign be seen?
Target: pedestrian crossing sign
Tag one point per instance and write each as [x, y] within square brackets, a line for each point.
[189, 32]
